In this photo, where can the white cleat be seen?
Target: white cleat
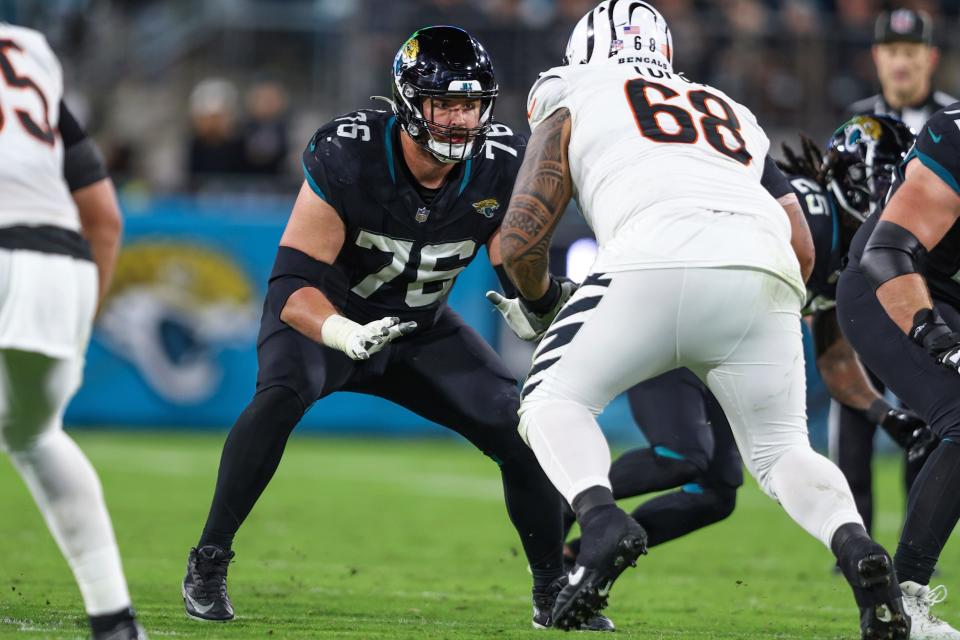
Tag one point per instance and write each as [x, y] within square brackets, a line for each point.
[917, 600]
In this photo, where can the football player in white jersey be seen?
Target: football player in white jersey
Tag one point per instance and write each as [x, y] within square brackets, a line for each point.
[699, 266]
[59, 236]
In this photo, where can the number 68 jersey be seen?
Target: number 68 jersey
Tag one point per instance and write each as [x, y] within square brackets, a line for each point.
[666, 171]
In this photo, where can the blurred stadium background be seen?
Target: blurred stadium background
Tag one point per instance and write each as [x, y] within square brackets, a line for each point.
[202, 109]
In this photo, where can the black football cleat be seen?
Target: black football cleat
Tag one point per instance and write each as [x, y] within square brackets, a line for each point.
[543, 610]
[607, 549]
[205, 585]
[881, 604]
[126, 630]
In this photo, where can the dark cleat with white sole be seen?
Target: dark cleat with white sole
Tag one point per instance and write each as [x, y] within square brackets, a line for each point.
[881, 606]
[204, 587]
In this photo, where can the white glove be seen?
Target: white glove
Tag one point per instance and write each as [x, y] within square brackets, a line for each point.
[360, 341]
[526, 324]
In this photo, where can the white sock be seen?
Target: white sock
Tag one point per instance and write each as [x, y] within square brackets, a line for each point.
[813, 492]
[68, 493]
[569, 445]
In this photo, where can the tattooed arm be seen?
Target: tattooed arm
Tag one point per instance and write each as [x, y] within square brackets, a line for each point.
[843, 375]
[540, 196]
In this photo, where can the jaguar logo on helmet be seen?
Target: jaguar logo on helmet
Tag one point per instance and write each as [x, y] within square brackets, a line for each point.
[862, 129]
[410, 51]
[443, 63]
[861, 163]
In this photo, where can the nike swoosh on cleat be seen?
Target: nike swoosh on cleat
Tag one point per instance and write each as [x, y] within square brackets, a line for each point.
[197, 606]
[935, 137]
[605, 589]
[576, 576]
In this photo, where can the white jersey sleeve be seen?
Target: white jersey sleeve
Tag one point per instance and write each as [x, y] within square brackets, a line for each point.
[546, 96]
[32, 187]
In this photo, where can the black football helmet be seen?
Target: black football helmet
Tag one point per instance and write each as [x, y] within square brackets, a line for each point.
[861, 159]
[443, 62]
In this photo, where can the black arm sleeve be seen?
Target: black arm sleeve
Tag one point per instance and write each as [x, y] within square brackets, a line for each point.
[83, 164]
[70, 130]
[509, 290]
[773, 179]
[891, 251]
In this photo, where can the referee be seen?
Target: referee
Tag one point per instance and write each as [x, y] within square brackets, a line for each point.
[906, 59]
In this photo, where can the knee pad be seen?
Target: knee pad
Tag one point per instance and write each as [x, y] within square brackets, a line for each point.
[720, 502]
[280, 404]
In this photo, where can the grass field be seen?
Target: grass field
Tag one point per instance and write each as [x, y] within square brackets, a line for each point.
[407, 539]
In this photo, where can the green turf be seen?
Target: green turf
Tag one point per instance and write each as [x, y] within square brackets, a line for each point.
[406, 539]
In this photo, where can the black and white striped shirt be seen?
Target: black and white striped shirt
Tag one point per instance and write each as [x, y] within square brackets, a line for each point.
[914, 117]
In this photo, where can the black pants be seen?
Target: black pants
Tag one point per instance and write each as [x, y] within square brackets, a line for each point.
[930, 390]
[691, 448]
[445, 373]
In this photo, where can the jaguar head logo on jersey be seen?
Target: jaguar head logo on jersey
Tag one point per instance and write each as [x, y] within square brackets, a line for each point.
[487, 207]
[615, 28]
[861, 160]
[446, 66]
[173, 308]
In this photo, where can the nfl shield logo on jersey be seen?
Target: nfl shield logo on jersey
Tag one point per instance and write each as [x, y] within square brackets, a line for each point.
[487, 207]
[422, 214]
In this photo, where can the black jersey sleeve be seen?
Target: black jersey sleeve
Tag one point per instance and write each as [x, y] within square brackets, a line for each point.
[83, 164]
[773, 179]
[819, 213]
[70, 130]
[317, 159]
[938, 145]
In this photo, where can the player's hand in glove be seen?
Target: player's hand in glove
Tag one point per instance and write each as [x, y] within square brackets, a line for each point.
[529, 319]
[905, 427]
[360, 341]
[932, 333]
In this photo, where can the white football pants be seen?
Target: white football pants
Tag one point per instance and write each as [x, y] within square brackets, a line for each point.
[737, 329]
[47, 304]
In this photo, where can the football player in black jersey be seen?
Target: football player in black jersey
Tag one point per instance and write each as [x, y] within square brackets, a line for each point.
[395, 204]
[838, 190]
[899, 306]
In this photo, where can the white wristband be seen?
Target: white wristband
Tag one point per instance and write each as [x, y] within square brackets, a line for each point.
[336, 330]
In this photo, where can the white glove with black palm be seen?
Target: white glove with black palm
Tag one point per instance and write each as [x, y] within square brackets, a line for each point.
[529, 320]
[360, 341]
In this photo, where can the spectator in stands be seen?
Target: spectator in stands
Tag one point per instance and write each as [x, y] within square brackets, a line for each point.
[266, 130]
[216, 150]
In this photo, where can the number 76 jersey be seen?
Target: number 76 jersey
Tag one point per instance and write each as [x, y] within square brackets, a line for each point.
[666, 171]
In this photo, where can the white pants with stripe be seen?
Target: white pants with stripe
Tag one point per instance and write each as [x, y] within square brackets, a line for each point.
[736, 329]
[47, 304]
